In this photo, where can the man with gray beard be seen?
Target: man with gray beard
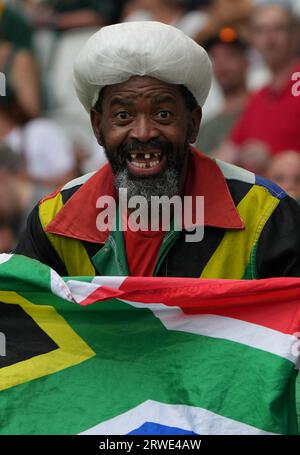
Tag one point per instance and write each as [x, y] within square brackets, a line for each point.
[144, 85]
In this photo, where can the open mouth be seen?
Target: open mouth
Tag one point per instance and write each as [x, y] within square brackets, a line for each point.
[147, 163]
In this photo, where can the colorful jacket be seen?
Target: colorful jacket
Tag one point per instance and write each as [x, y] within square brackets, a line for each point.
[252, 228]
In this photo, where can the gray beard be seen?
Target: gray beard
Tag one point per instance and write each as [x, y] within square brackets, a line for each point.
[166, 184]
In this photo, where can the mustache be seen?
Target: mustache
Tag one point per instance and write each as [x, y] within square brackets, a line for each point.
[138, 146]
[118, 157]
[118, 160]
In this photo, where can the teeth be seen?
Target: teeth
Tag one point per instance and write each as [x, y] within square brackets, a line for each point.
[153, 163]
[143, 165]
[140, 165]
[146, 156]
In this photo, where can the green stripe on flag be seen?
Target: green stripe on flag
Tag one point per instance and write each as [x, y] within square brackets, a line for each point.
[20, 273]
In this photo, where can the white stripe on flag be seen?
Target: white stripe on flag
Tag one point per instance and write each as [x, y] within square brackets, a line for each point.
[81, 290]
[173, 318]
[189, 418]
[59, 287]
[250, 334]
[4, 257]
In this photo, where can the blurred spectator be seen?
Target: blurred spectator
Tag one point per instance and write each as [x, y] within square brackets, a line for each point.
[294, 5]
[284, 170]
[64, 15]
[256, 157]
[20, 67]
[14, 27]
[61, 28]
[45, 150]
[96, 158]
[200, 3]
[17, 197]
[230, 14]
[272, 114]
[173, 12]
[230, 64]
[224, 13]
[7, 238]
[253, 156]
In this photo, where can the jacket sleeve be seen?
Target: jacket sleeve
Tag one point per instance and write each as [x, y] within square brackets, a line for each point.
[35, 244]
[278, 248]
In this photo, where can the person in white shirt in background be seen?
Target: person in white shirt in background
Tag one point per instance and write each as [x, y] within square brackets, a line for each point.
[47, 152]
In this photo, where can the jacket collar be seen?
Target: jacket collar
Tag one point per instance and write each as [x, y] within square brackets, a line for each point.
[77, 218]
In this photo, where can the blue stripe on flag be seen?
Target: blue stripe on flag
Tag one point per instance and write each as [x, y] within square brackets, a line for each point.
[153, 428]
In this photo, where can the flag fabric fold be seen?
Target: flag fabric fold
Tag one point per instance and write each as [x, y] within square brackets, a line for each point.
[132, 355]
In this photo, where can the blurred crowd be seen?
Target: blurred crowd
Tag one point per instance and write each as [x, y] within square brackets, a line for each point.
[251, 118]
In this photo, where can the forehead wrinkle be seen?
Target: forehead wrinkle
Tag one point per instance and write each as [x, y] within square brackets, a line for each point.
[127, 98]
[140, 84]
[164, 98]
[120, 101]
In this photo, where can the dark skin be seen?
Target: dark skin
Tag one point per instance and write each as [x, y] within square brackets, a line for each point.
[144, 109]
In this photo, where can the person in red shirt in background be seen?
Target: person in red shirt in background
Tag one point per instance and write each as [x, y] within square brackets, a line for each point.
[270, 122]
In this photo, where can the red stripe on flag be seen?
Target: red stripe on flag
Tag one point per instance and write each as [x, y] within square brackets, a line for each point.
[272, 303]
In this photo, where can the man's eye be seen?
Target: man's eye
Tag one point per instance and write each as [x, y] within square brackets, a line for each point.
[164, 115]
[122, 115]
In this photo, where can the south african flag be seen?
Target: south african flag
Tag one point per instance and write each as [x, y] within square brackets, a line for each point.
[127, 355]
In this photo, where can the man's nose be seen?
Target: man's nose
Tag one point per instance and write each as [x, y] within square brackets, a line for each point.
[143, 129]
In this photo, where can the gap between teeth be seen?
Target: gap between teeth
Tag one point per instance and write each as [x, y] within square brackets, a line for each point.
[146, 156]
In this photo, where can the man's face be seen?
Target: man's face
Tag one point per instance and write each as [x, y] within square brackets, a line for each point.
[273, 35]
[145, 128]
[230, 66]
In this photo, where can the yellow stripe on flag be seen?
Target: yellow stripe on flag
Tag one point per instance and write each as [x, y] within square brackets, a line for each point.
[71, 351]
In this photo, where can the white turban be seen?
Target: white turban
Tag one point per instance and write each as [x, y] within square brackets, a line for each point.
[116, 53]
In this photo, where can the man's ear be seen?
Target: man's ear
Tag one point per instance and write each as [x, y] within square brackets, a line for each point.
[195, 122]
[96, 118]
